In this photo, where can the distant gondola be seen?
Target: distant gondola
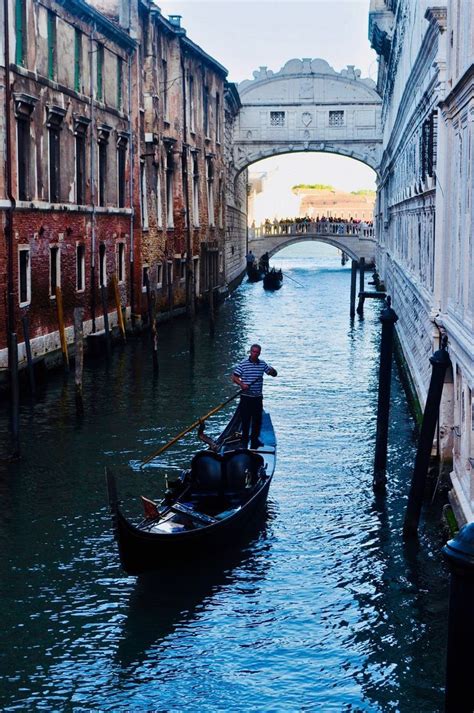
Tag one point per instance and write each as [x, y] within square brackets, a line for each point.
[254, 273]
[210, 507]
[273, 279]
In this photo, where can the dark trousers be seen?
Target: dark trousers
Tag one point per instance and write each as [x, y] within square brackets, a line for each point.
[251, 408]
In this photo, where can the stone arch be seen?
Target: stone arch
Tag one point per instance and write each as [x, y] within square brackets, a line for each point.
[314, 239]
[308, 106]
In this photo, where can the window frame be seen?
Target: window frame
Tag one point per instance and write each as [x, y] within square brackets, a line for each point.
[24, 249]
[80, 267]
[57, 269]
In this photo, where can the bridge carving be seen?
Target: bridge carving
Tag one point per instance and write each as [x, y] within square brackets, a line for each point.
[308, 106]
[357, 240]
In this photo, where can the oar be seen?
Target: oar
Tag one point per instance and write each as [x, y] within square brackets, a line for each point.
[194, 425]
[292, 278]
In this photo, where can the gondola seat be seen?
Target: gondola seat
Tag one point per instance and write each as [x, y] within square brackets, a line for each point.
[206, 472]
[240, 470]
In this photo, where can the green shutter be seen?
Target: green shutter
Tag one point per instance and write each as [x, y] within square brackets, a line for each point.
[51, 45]
[77, 60]
[100, 68]
[20, 32]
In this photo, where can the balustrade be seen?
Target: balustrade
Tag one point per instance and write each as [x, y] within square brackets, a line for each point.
[312, 227]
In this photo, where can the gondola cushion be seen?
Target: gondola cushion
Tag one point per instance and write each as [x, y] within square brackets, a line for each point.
[241, 470]
[206, 471]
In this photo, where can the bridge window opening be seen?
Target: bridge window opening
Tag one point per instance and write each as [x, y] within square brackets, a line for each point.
[336, 118]
[277, 118]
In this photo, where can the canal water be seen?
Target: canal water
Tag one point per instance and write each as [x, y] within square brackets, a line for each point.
[325, 610]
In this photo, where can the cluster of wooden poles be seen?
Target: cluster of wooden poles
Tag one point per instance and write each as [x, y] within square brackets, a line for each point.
[458, 552]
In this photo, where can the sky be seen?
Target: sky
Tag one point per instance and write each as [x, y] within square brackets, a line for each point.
[244, 35]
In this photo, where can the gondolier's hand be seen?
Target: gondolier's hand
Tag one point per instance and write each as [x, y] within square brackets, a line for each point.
[243, 386]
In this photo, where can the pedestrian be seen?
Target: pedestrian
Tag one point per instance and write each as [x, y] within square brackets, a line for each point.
[249, 376]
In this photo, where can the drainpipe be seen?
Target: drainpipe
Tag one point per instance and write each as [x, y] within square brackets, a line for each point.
[93, 176]
[10, 210]
[130, 177]
[184, 168]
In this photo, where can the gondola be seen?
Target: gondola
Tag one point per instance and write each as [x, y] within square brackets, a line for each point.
[273, 279]
[254, 273]
[211, 507]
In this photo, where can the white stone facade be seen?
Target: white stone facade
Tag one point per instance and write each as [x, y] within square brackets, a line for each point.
[308, 106]
[424, 212]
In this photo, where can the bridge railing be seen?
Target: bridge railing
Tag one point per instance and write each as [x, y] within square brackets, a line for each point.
[312, 227]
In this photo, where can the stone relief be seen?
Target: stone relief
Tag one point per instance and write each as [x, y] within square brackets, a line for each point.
[306, 118]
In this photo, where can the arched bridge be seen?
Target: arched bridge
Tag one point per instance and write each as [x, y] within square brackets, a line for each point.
[308, 106]
[355, 239]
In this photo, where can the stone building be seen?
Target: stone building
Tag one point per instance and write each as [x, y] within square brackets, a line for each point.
[424, 205]
[65, 194]
[121, 129]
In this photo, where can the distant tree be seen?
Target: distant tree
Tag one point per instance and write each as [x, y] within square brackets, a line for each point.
[300, 187]
[363, 192]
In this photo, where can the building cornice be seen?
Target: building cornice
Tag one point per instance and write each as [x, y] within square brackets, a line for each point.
[101, 22]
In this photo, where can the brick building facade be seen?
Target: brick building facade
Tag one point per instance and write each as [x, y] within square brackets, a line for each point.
[120, 164]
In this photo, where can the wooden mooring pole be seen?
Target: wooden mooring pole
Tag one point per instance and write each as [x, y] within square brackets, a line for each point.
[459, 553]
[29, 358]
[118, 305]
[353, 286]
[388, 319]
[62, 330]
[15, 396]
[212, 316]
[151, 311]
[360, 305]
[79, 357]
[440, 361]
[104, 296]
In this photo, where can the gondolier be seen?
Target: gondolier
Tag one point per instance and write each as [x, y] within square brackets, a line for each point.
[249, 376]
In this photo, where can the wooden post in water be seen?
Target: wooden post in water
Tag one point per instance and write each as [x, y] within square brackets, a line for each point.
[118, 305]
[15, 396]
[103, 294]
[29, 358]
[151, 305]
[212, 317]
[459, 553]
[388, 319]
[62, 330]
[440, 361]
[360, 305]
[79, 357]
[353, 286]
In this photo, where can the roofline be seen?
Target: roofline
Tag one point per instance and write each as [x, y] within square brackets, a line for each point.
[108, 27]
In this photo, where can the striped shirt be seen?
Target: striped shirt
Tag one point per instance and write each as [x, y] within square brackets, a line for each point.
[249, 372]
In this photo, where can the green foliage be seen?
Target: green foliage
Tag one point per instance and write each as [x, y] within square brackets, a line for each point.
[363, 192]
[311, 187]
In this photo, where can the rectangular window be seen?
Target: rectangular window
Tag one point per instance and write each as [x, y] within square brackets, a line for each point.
[119, 82]
[277, 118]
[145, 277]
[121, 262]
[159, 201]
[121, 163]
[210, 192]
[54, 270]
[100, 73]
[336, 118]
[164, 81]
[218, 118]
[144, 196]
[102, 148]
[191, 105]
[205, 110]
[80, 169]
[159, 275]
[20, 32]
[23, 144]
[169, 191]
[195, 191]
[24, 277]
[102, 265]
[77, 60]
[80, 268]
[52, 51]
[54, 165]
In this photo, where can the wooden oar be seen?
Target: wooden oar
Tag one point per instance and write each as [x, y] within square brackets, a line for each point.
[292, 278]
[194, 425]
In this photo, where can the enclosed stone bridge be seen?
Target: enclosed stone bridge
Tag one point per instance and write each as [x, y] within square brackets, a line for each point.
[356, 240]
[308, 106]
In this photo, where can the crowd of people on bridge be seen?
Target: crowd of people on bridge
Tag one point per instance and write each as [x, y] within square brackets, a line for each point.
[277, 227]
